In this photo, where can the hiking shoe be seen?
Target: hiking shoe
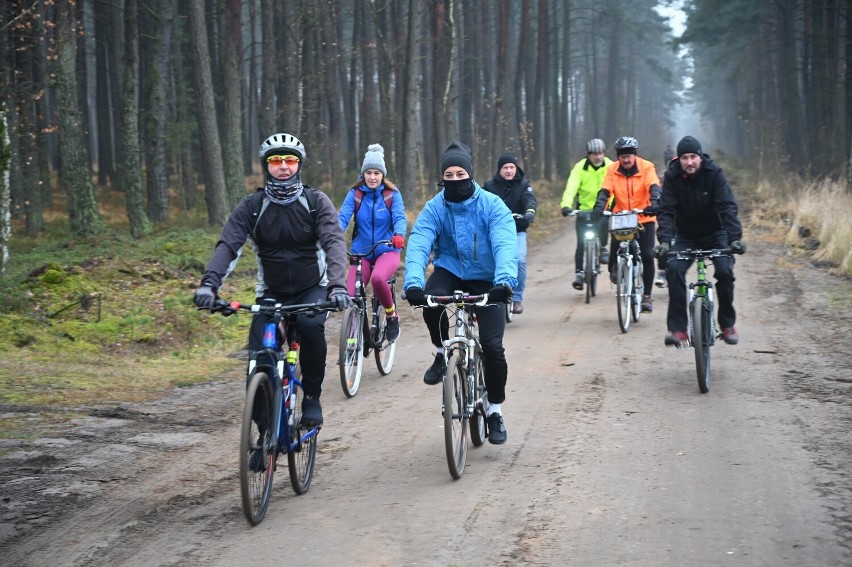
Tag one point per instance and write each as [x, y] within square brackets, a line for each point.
[311, 411]
[613, 278]
[393, 328]
[578, 281]
[496, 429]
[436, 372]
[679, 339]
[604, 251]
[256, 461]
[517, 307]
[647, 304]
[661, 279]
[730, 335]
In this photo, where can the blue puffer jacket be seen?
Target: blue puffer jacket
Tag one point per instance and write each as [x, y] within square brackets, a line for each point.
[374, 221]
[474, 239]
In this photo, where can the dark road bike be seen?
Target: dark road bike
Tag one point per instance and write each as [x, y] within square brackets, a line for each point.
[272, 417]
[591, 252]
[362, 331]
[625, 227]
[465, 399]
[701, 310]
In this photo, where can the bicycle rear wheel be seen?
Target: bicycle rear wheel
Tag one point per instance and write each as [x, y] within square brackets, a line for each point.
[258, 448]
[455, 422]
[385, 351]
[303, 448]
[701, 342]
[351, 357]
[623, 295]
[477, 420]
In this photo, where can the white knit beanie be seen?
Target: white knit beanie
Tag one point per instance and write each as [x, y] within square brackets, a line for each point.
[374, 159]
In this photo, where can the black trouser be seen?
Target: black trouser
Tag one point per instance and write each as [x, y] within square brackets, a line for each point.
[677, 319]
[646, 249]
[585, 222]
[311, 328]
[491, 324]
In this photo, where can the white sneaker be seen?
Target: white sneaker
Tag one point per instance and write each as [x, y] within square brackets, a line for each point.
[661, 279]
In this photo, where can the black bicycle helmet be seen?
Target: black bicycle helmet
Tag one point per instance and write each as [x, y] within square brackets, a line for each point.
[626, 142]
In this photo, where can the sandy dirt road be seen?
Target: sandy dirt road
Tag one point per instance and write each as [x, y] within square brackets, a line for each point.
[613, 456]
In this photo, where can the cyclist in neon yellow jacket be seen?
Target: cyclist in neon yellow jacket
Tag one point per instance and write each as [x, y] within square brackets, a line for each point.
[582, 187]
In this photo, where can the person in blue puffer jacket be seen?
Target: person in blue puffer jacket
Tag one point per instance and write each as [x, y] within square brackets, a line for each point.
[470, 235]
[375, 206]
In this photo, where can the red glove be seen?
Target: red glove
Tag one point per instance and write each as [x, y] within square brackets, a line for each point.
[398, 240]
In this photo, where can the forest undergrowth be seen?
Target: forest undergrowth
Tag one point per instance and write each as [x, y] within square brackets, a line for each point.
[110, 320]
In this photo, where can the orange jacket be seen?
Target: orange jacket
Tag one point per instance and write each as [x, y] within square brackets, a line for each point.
[632, 192]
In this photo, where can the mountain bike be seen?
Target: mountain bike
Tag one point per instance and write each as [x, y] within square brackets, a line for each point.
[465, 399]
[358, 335]
[701, 310]
[625, 227]
[273, 409]
[591, 252]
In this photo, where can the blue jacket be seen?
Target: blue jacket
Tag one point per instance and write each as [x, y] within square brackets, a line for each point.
[374, 221]
[475, 240]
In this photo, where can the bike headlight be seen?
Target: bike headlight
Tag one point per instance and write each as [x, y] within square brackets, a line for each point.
[589, 234]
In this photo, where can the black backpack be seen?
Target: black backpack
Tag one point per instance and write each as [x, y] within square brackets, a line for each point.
[259, 203]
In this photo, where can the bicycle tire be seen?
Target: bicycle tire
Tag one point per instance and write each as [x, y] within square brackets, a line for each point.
[302, 453]
[638, 289]
[701, 343]
[589, 269]
[596, 268]
[455, 422]
[256, 485]
[478, 433]
[385, 351]
[623, 295]
[351, 358]
[508, 311]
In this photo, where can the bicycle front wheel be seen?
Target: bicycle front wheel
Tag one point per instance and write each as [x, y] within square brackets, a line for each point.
[589, 269]
[351, 357]
[385, 351]
[477, 420]
[455, 422]
[258, 448]
[302, 453]
[509, 314]
[622, 290]
[701, 342]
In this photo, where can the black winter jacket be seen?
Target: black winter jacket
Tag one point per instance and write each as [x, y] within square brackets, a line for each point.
[516, 193]
[697, 206]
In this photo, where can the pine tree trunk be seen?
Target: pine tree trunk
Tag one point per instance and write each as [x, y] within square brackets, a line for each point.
[232, 49]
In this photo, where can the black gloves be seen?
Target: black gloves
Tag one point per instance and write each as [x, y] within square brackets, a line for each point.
[567, 211]
[650, 210]
[415, 296]
[738, 247]
[340, 298]
[205, 297]
[529, 216]
[596, 214]
[500, 294]
[661, 250]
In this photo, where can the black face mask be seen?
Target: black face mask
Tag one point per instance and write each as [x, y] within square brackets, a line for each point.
[458, 190]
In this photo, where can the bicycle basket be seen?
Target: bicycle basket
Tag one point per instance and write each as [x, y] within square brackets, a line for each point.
[623, 227]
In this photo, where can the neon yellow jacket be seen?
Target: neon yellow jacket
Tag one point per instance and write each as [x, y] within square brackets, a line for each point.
[584, 181]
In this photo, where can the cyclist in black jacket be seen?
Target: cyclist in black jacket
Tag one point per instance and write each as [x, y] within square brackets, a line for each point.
[510, 185]
[698, 210]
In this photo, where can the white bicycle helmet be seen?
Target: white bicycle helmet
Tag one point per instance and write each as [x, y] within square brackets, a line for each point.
[595, 146]
[282, 143]
[625, 142]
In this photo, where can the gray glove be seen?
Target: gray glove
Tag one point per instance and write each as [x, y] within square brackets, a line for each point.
[340, 298]
[661, 250]
[205, 297]
[738, 247]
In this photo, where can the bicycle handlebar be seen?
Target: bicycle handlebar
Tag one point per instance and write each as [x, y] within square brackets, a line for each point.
[634, 211]
[370, 251]
[458, 298]
[230, 307]
[692, 253]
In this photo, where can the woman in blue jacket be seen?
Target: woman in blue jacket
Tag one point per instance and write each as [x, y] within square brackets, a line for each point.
[376, 206]
[470, 236]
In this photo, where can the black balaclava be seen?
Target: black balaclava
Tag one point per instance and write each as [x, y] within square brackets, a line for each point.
[458, 190]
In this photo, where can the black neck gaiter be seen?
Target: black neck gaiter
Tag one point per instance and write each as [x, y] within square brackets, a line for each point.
[458, 190]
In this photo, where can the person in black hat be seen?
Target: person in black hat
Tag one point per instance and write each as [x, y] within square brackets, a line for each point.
[698, 210]
[510, 185]
[470, 238]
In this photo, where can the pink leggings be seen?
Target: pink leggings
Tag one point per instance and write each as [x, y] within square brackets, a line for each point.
[378, 274]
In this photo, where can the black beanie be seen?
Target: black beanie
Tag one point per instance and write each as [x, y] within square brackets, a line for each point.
[688, 145]
[457, 154]
[506, 158]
